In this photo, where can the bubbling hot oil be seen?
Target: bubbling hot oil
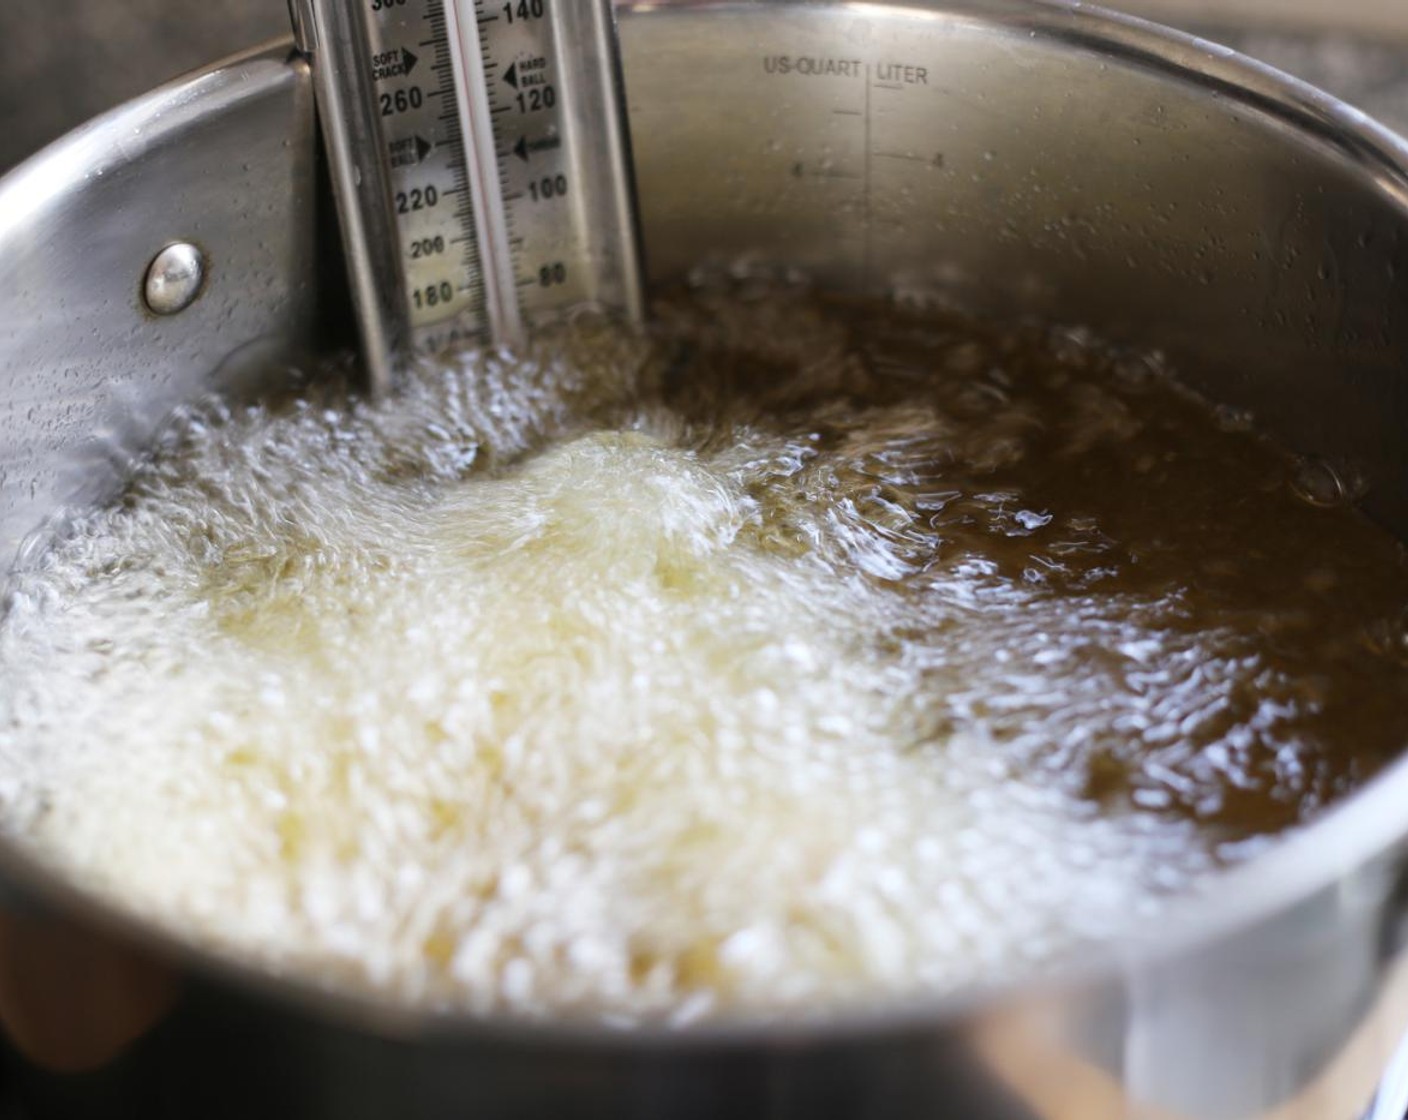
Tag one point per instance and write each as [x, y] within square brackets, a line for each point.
[802, 654]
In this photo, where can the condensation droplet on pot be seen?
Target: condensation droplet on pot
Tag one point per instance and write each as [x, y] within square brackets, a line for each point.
[1326, 484]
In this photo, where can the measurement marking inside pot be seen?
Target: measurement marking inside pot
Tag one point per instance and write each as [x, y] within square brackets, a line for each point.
[909, 157]
[890, 76]
[867, 262]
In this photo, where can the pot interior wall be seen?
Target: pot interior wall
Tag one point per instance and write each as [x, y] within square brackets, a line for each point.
[1020, 166]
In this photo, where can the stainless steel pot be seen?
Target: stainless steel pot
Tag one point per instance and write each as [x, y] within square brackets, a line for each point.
[1016, 157]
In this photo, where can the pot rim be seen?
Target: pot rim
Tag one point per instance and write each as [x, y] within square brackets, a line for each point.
[1368, 825]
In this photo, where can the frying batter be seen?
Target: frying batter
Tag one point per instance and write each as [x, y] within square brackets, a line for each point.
[803, 654]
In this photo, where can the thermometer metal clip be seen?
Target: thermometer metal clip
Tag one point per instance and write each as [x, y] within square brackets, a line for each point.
[481, 161]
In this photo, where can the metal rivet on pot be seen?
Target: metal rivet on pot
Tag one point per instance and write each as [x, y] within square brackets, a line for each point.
[174, 279]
